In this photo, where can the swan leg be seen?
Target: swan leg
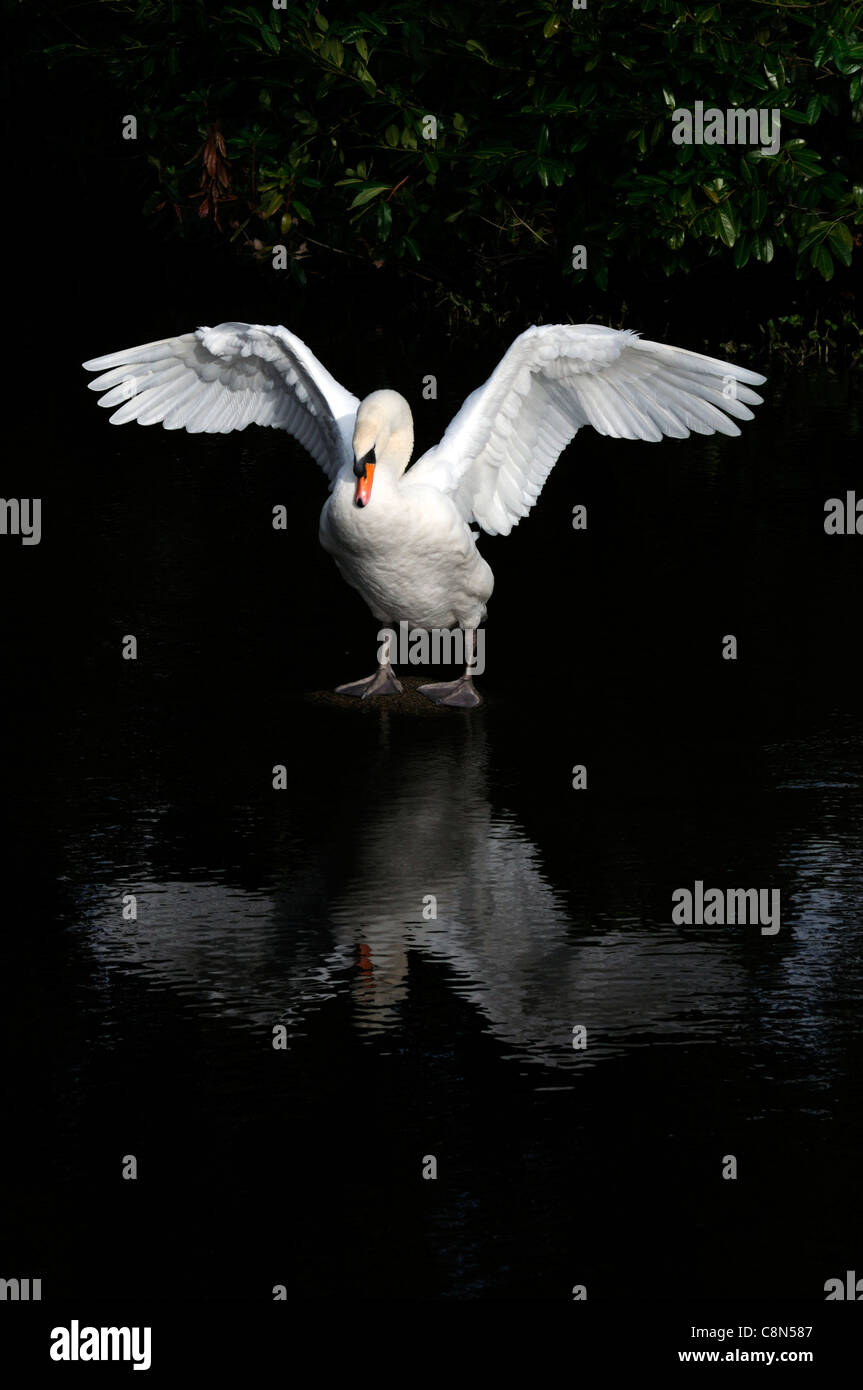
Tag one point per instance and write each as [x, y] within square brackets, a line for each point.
[461, 693]
[383, 682]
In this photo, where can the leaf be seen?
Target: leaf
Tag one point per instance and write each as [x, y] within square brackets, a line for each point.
[371, 23]
[362, 48]
[551, 26]
[840, 235]
[725, 225]
[773, 70]
[742, 252]
[367, 82]
[272, 204]
[821, 260]
[815, 234]
[384, 220]
[333, 50]
[476, 47]
[823, 50]
[391, 135]
[366, 194]
[841, 242]
[808, 161]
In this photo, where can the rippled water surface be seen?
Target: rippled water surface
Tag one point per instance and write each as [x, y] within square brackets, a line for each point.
[445, 1030]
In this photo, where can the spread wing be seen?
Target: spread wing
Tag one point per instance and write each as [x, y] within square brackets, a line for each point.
[220, 379]
[501, 446]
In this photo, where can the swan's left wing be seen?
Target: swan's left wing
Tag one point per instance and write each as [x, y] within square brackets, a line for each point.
[220, 379]
[501, 446]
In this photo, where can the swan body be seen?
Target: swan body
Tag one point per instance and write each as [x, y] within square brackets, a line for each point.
[404, 540]
[409, 552]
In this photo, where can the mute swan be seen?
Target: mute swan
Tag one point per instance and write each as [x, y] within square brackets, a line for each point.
[404, 539]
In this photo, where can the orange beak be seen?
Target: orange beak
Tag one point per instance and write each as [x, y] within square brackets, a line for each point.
[364, 486]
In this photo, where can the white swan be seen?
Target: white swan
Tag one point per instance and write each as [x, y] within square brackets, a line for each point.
[404, 540]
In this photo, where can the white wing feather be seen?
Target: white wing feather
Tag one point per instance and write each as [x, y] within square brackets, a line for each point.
[220, 379]
[501, 446]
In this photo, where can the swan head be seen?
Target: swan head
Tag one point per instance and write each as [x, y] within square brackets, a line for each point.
[383, 440]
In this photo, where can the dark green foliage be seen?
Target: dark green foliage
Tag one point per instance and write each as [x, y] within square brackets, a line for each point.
[303, 126]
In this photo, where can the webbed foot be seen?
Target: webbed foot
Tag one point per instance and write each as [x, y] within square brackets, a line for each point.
[460, 694]
[383, 682]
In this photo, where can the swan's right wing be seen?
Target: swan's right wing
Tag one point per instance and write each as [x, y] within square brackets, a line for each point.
[501, 446]
[220, 379]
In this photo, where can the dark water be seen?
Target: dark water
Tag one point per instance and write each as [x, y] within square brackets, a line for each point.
[451, 1037]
